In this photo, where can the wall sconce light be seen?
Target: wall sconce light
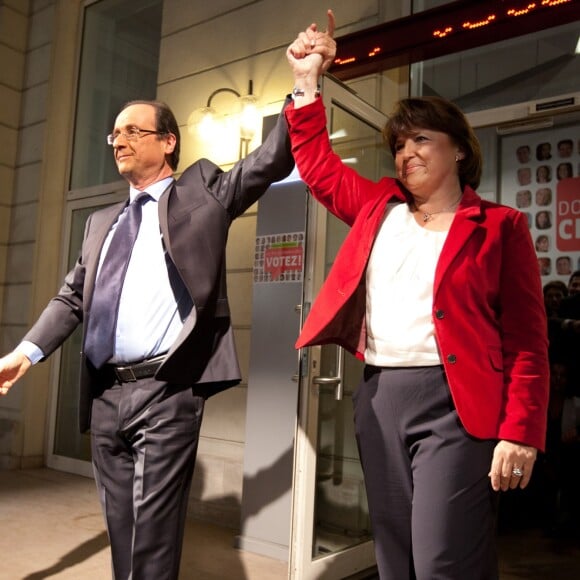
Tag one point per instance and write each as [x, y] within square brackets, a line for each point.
[201, 122]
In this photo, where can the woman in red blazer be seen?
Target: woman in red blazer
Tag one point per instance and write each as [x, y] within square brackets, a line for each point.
[439, 292]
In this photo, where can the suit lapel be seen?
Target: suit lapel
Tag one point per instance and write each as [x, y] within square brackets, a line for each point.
[163, 212]
[462, 228]
[177, 218]
[176, 206]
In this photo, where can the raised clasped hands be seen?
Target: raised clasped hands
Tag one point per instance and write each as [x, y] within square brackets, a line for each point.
[313, 51]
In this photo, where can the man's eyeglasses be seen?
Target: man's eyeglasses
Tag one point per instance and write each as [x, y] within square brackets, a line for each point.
[132, 134]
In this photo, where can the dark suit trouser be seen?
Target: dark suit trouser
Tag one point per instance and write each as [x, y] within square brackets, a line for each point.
[144, 438]
[431, 504]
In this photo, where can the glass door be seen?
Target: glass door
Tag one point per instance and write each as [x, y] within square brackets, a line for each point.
[331, 536]
[69, 450]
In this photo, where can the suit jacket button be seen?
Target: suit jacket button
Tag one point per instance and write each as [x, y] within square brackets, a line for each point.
[439, 314]
[451, 359]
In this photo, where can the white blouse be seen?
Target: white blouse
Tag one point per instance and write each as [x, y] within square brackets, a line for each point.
[399, 280]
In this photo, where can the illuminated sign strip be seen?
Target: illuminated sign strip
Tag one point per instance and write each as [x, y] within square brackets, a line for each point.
[450, 28]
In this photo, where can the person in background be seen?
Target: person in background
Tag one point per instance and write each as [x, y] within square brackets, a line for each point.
[545, 266]
[565, 148]
[554, 292]
[523, 153]
[563, 265]
[150, 289]
[559, 466]
[569, 313]
[523, 198]
[439, 292]
[564, 170]
[570, 474]
[574, 283]
[551, 469]
[550, 466]
[544, 196]
[542, 243]
[543, 174]
[524, 176]
[543, 220]
[543, 151]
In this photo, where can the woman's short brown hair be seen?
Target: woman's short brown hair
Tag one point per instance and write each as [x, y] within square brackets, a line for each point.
[437, 114]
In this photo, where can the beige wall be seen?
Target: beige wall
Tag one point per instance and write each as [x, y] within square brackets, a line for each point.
[205, 46]
[33, 253]
[15, 237]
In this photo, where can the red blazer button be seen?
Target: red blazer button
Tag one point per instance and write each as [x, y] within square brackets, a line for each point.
[451, 359]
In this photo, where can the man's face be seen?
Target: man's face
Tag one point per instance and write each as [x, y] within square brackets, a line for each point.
[563, 266]
[553, 298]
[523, 154]
[543, 151]
[142, 160]
[524, 176]
[565, 148]
[523, 198]
[574, 286]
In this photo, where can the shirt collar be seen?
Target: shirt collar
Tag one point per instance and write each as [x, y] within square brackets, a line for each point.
[154, 190]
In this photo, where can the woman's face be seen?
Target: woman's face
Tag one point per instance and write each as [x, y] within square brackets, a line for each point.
[542, 244]
[542, 219]
[542, 174]
[543, 196]
[564, 171]
[426, 161]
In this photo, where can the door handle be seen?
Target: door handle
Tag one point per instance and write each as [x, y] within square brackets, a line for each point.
[334, 382]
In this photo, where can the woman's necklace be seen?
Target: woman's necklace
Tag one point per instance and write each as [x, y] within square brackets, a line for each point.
[427, 215]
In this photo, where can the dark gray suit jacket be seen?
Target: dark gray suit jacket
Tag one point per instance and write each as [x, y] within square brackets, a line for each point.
[194, 214]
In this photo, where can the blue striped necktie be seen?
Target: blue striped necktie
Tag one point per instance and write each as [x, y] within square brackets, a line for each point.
[102, 322]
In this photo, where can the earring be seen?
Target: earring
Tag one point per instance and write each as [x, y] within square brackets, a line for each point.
[457, 158]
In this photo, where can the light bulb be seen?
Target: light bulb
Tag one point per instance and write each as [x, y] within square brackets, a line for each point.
[201, 123]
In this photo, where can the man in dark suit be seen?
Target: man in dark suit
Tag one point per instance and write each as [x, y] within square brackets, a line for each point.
[142, 391]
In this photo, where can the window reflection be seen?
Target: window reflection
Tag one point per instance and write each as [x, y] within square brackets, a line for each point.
[119, 62]
[475, 82]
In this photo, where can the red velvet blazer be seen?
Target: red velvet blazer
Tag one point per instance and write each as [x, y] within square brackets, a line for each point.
[488, 310]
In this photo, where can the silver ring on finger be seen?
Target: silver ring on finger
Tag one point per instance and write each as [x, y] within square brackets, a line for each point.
[517, 472]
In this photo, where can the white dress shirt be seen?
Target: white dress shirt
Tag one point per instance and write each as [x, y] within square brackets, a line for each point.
[400, 274]
[150, 315]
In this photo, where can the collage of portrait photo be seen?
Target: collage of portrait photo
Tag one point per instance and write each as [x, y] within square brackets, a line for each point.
[534, 166]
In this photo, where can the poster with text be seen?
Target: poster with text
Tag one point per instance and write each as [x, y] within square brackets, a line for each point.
[279, 258]
[540, 176]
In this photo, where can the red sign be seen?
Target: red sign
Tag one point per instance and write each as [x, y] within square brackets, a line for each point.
[282, 259]
[568, 214]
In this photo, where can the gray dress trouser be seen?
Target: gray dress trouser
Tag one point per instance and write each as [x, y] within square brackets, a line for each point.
[144, 438]
[431, 504]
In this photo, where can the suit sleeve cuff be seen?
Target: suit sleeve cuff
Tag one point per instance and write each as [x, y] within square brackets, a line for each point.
[31, 351]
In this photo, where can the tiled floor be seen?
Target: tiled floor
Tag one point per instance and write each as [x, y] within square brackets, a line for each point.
[51, 527]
